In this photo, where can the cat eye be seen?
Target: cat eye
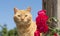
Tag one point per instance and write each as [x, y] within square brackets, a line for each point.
[19, 15]
[25, 15]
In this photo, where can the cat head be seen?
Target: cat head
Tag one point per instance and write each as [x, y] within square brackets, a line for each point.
[22, 16]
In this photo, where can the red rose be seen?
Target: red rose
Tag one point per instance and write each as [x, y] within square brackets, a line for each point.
[55, 34]
[43, 11]
[41, 21]
[36, 33]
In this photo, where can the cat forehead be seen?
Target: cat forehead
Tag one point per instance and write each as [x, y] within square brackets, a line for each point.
[23, 11]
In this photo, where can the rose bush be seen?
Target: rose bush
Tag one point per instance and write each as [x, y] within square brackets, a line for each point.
[41, 22]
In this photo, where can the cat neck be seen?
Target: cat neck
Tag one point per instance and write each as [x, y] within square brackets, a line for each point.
[24, 26]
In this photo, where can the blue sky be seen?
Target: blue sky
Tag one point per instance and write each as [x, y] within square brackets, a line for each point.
[7, 12]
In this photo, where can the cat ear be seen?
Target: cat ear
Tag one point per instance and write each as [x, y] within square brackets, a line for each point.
[29, 9]
[15, 10]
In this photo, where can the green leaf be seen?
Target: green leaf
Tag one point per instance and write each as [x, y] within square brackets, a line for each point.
[55, 19]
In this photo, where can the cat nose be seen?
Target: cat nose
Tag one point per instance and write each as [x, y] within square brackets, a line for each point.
[22, 19]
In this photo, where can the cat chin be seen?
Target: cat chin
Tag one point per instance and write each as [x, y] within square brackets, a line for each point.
[23, 24]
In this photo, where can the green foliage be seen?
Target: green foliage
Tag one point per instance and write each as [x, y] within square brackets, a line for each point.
[5, 32]
[52, 23]
[12, 32]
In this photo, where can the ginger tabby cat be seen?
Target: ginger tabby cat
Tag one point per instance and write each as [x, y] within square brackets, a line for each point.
[25, 25]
